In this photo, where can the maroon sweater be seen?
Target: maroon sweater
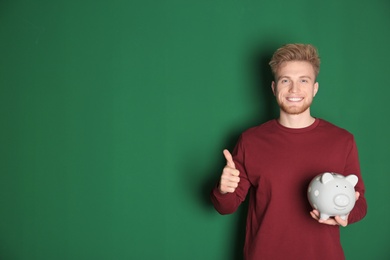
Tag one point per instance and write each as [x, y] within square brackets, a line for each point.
[276, 165]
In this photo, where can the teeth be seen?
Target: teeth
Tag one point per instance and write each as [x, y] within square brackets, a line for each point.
[294, 99]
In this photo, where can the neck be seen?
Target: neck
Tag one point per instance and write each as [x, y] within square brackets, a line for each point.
[296, 121]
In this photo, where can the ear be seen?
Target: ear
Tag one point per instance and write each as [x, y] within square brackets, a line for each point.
[273, 86]
[316, 86]
[326, 177]
[353, 179]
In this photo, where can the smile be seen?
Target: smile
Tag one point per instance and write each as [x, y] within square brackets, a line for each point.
[294, 99]
[336, 208]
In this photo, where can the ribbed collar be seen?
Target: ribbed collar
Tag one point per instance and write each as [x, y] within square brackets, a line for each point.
[297, 130]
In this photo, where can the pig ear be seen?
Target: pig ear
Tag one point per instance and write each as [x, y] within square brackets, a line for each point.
[326, 177]
[353, 179]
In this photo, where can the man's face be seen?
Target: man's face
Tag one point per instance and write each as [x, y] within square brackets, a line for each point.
[295, 87]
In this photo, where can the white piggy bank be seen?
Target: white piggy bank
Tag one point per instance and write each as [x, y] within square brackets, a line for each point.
[332, 194]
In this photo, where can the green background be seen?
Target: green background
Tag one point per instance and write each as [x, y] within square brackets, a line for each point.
[114, 115]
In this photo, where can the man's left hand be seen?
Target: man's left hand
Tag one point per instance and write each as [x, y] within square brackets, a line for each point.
[337, 220]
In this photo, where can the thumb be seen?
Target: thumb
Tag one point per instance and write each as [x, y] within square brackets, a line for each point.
[229, 159]
[357, 195]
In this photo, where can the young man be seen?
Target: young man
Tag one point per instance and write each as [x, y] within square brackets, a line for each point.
[275, 162]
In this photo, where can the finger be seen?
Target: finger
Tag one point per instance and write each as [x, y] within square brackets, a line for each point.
[357, 195]
[229, 159]
[232, 185]
[314, 215]
[228, 186]
[341, 221]
[229, 190]
[230, 173]
[329, 221]
[316, 212]
[231, 177]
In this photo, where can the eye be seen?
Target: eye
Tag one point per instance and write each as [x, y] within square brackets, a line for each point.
[284, 81]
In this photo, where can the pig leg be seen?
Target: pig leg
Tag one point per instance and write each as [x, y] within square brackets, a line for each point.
[324, 216]
[343, 217]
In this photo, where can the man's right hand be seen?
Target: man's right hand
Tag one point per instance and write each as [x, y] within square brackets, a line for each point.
[230, 175]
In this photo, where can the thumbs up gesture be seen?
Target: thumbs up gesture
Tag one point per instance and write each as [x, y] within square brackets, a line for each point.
[230, 175]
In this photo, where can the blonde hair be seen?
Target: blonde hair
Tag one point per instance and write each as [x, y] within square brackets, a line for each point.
[295, 52]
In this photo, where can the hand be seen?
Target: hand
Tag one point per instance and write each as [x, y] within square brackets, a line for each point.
[229, 178]
[337, 220]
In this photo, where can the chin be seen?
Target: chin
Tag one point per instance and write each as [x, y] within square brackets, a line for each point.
[294, 110]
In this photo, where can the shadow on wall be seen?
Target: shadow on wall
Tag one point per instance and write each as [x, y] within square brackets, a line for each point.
[260, 89]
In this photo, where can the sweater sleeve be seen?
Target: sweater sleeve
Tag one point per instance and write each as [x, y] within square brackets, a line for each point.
[229, 202]
[352, 167]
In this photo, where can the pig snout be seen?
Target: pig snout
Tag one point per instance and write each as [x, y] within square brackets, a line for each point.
[341, 200]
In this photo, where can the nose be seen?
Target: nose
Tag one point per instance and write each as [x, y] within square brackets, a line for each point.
[341, 200]
[294, 87]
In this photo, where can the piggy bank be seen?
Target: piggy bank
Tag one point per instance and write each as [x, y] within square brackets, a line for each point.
[332, 194]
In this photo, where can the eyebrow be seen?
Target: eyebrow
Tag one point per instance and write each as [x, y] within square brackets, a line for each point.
[301, 77]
